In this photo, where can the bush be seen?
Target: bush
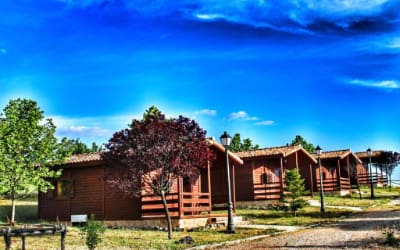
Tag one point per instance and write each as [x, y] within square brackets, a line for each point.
[294, 189]
[92, 232]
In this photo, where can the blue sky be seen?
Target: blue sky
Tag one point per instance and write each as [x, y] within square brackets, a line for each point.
[269, 70]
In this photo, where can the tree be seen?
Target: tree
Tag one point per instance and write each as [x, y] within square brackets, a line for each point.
[155, 152]
[75, 146]
[388, 161]
[237, 145]
[92, 232]
[294, 189]
[309, 147]
[27, 148]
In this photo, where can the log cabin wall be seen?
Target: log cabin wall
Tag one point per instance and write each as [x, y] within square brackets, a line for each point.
[90, 194]
[244, 181]
[306, 167]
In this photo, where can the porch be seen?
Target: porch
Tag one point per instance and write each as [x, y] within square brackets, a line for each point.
[180, 204]
[270, 191]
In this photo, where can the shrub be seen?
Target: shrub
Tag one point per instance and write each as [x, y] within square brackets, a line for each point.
[92, 232]
[294, 189]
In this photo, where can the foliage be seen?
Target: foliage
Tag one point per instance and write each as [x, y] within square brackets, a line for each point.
[294, 189]
[27, 148]
[238, 145]
[154, 152]
[152, 112]
[75, 146]
[92, 232]
[309, 147]
[390, 233]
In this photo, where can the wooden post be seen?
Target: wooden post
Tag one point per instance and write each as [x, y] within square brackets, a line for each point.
[209, 186]
[7, 239]
[180, 196]
[339, 175]
[297, 160]
[233, 187]
[23, 242]
[281, 175]
[312, 183]
[63, 235]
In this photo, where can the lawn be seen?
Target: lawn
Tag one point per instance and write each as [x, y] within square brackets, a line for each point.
[124, 238]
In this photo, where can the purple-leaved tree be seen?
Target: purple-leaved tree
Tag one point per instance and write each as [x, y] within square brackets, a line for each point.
[154, 152]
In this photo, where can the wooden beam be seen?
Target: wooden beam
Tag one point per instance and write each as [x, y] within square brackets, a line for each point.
[209, 184]
[312, 183]
[339, 174]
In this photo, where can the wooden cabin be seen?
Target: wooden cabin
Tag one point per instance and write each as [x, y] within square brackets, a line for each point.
[340, 170]
[82, 190]
[378, 175]
[261, 177]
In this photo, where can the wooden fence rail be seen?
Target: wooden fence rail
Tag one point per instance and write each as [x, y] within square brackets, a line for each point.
[179, 205]
[34, 230]
[270, 191]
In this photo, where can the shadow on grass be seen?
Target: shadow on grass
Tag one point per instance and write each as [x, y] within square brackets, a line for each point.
[23, 213]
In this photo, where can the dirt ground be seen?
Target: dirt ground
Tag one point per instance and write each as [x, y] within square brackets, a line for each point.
[365, 231]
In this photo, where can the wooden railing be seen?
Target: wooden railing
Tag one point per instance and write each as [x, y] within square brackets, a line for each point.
[345, 183]
[270, 191]
[332, 184]
[179, 205]
[195, 204]
[365, 178]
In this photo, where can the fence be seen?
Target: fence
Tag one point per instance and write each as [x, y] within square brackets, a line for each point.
[183, 205]
[34, 230]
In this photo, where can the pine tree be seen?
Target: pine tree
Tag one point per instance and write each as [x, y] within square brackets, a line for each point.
[294, 189]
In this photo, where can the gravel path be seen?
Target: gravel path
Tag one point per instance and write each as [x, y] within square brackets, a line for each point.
[364, 231]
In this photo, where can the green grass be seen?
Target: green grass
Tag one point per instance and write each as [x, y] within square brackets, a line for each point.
[305, 216]
[136, 239]
[150, 239]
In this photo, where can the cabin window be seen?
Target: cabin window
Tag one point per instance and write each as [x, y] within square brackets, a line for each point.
[64, 189]
[323, 176]
[277, 172]
[266, 178]
[187, 185]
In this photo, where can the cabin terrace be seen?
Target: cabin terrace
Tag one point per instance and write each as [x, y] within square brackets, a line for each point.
[261, 177]
[82, 190]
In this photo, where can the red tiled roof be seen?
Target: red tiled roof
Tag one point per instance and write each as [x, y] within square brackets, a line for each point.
[93, 157]
[274, 151]
[83, 158]
[233, 156]
[375, 153]
[341, 154]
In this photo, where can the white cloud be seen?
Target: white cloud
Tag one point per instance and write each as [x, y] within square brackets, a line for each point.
[265, 123]
[83, 131]
[385, 84]
[207, 112]
[241, 115]
[294, 16]
[90, 127]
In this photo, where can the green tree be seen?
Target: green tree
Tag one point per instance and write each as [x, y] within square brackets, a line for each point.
[27, 149]
[96, 148]
[309, 147]
[92, 232]
[294, 189]
[152, 113]
[238, 145]
[75, 146]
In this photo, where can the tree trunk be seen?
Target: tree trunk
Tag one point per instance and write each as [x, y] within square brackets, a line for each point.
[12, 207]
[167, 214]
